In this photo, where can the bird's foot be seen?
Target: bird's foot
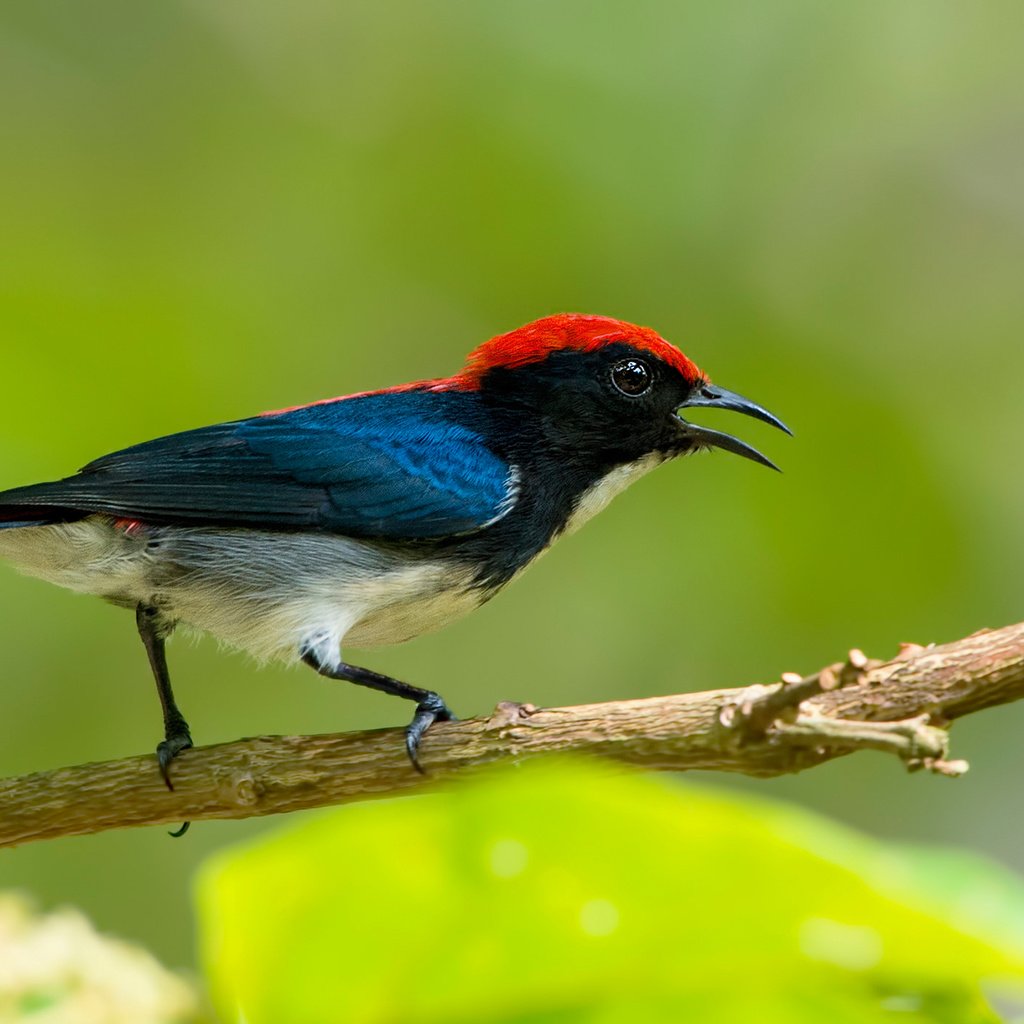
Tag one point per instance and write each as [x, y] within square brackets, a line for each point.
[168, 749]
[429, 710]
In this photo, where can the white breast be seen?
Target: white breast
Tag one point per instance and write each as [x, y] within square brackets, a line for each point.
[597, 496]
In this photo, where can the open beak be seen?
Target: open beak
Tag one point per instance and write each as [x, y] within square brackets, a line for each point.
[711, 396]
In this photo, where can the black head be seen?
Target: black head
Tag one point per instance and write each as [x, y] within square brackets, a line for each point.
[602, 390]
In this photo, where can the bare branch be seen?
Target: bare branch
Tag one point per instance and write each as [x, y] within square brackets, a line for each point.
[901, 706]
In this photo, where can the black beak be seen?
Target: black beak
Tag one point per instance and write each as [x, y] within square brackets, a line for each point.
[713, 397]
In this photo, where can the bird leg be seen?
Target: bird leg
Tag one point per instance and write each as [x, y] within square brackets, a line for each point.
[430, 707]
[154, 632]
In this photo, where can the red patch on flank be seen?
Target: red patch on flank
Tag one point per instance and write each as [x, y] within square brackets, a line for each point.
[533, 343]
[580, 331]
[132, 527]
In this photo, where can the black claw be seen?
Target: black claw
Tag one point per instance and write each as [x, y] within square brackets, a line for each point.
[167, 750]
[412, 744]
[429, 710]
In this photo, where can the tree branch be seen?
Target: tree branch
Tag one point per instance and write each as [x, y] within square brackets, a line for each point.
[903, 706]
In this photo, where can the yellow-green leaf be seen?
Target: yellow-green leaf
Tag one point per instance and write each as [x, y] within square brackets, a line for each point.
[568, 893]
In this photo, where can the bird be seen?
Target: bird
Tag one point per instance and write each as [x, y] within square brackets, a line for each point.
[371, 518]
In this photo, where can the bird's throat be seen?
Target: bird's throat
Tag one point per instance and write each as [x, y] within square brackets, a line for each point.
[614, 482]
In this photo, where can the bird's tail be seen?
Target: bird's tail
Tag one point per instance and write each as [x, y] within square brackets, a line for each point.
[14, 516]
[27, 506]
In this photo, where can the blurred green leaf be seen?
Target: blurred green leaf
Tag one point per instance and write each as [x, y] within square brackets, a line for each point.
[566, 893]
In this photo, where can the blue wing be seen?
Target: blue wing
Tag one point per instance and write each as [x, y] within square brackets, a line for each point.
[394, 466]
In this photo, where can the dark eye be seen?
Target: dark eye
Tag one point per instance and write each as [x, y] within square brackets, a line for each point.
[632, 377]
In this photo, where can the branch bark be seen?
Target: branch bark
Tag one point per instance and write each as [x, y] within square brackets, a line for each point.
[903, 706]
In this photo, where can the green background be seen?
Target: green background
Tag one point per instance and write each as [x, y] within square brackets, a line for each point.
[212, 208]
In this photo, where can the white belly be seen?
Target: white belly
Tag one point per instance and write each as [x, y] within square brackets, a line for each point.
[270, 594]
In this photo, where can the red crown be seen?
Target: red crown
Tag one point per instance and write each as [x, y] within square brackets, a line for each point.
[583, 332]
